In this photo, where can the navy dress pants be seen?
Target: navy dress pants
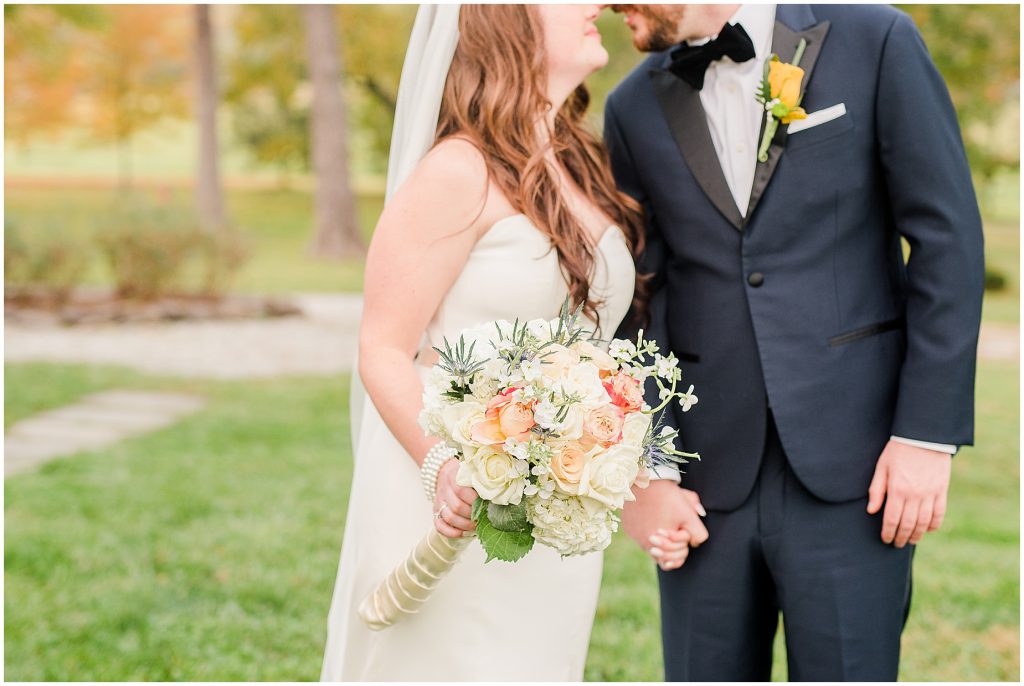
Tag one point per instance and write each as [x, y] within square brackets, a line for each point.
[843, 594]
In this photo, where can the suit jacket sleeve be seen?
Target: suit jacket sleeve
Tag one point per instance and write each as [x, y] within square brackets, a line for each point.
[652, 261]
[934, 207]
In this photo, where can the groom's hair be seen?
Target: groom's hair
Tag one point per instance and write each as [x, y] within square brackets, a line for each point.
[494, 96]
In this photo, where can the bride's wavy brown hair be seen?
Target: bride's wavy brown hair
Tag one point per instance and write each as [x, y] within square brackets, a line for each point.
[494, 95]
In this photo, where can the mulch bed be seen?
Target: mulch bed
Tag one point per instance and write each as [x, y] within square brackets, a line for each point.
[101, 306]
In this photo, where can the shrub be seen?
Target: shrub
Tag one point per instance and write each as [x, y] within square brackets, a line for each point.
[155, 251]
[146, 251]
[994, 280]
[49, 262]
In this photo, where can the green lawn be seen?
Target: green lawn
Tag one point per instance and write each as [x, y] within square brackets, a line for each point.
[207, 551]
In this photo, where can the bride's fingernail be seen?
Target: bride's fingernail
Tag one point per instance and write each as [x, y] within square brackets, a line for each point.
[656, 552]
[663, 532]
[701, 511]
[656, 540]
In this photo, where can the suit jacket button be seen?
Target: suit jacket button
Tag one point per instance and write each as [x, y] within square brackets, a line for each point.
[756, 279]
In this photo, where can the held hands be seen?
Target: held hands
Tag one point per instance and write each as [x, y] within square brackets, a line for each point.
[913, 483]
[665, 521]
[453, 504]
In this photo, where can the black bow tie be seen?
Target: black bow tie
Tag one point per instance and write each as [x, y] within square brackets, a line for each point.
[689, 62]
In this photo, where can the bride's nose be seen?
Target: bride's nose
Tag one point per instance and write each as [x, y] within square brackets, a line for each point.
[592, 11]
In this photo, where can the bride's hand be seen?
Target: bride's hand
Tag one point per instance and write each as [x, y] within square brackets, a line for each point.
[454, 502]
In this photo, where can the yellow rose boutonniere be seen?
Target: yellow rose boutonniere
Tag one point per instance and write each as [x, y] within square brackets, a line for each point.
[780, 94]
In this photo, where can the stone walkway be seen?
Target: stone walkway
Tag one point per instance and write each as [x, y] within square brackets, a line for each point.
[321, 342]
[97, 421]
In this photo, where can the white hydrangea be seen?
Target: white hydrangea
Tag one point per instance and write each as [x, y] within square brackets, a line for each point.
[570, 525]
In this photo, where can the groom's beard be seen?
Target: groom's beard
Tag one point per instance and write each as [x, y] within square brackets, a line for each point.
[660, 25]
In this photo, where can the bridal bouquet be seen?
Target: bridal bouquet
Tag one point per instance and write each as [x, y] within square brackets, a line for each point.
[550, 430]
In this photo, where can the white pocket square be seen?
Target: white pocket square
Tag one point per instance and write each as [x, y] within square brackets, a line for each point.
[817, 118]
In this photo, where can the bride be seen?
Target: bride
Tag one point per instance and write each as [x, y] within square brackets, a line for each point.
[500, 204]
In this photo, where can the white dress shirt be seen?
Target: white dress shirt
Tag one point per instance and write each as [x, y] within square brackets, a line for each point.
[734, 119]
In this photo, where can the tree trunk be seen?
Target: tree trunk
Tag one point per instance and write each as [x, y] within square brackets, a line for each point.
[209, 193]
[337, 229]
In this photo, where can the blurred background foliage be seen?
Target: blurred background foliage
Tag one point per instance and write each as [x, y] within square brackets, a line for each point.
[102, 101]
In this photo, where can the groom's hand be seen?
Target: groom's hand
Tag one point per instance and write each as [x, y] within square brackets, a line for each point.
[664, 520]
[913, 483]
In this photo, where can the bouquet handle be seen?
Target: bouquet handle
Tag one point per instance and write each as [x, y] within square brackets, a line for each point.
[410, 584]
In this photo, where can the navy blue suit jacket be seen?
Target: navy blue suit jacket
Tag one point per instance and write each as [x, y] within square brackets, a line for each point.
[806, 306]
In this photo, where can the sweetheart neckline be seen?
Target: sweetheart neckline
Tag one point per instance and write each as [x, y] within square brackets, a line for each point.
[611, 228]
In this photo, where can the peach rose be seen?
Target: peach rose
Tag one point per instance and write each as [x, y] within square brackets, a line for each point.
[516, 420]
[499, 401]
[625, 392]
[569, 466]
[604, 424]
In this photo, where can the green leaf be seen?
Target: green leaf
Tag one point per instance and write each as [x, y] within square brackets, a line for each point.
[508, 517]
[479, 505]
[508, 546]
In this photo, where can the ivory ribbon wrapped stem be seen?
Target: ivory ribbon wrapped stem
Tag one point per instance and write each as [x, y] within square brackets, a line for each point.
[411, 583]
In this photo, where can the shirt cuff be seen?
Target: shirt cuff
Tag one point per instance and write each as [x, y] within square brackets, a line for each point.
[666, 473]
[937, 447]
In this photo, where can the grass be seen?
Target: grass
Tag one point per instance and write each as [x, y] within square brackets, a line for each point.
[207, 551]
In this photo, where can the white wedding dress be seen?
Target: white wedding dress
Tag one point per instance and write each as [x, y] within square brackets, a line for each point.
[527, 621]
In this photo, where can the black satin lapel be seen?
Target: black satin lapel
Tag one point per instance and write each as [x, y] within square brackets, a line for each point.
[784, 44]
[680, 103]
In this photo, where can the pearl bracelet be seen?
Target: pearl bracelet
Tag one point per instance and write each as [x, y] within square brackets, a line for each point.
[436, 456]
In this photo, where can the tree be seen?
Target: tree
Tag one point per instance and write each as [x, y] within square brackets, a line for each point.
[373, 48]
[270, 96]
[270, 109]
[209, 194]
[337, 230]
[44, 66]
[135, 74]
[977, 50]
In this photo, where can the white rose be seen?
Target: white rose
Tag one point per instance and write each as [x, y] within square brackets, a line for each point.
[558, 361]
[460, 418]
[497, 477]
[599, 357]
[539, 329]
[584, 380]
[612, 475]
[571, 428]
[634, 429]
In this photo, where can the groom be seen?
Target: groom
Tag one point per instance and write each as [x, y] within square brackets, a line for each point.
[835, 378]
